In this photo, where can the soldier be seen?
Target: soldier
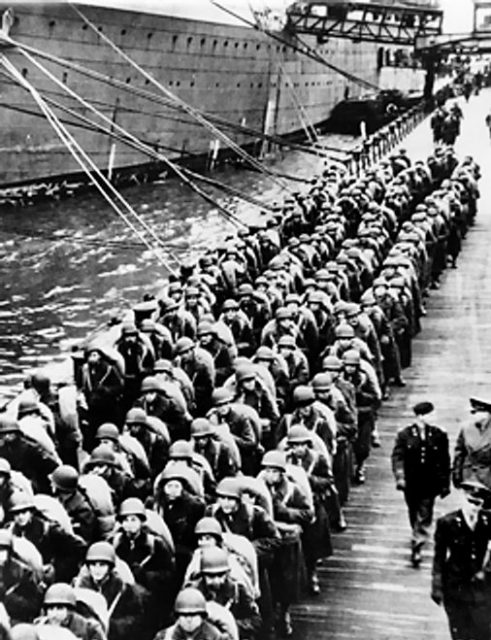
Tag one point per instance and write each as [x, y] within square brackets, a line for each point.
[62, 552]
[199, 366]
[217, 585]
[223, 459]
[421, 466]
[459, 582]
[240, 326]
[156, 401]
[59, 607]
[472, 455]
[139, 359]
[209, 340]
[191, 619]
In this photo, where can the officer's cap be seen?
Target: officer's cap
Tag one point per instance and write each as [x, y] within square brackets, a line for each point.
[479, 405]
[423, 408]
[476, 488]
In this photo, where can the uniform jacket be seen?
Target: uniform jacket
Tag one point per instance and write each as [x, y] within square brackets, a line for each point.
[181, 517]
[206, 631]
[20, 591]
[459, 555]
[82, 628]
[472, 456]
[83, 516]
[32, 459]
[424, 465]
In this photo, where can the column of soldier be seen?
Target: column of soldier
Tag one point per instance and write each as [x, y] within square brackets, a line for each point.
[187, 484]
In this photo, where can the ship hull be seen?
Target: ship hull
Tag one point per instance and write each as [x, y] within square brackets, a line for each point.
[232, 72]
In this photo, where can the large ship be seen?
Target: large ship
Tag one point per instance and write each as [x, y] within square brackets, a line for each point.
[210, 55]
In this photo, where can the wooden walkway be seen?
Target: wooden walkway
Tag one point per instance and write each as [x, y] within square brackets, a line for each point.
[369, 589]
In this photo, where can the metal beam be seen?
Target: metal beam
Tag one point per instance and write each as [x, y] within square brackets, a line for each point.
[474, 42]
[374, 22]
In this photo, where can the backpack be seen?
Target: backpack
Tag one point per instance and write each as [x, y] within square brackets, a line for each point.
[98, 494]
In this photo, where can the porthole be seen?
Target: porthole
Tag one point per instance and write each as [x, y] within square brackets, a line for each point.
[149, 36]
[189, 41]
[85, 27]
[246, 44]
[215, 42]
[203, 42]
[123, 32]
[258, 46]
[52, 23]
[225, 44]
[174, 41]
[236, 45]
[128, 80]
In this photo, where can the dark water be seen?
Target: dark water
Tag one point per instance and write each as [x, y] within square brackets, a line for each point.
[64, 266]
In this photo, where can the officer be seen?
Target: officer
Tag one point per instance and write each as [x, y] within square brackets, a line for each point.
[217, 585]
[459, 582]
[472, 455]
[59, 607]
[421, 466]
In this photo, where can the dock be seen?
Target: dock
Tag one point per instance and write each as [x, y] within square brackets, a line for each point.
[370, 591]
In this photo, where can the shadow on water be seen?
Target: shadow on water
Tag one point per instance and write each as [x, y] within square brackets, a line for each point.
[64, 266]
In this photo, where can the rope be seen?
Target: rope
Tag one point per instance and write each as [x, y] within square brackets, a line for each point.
[188, 108]
[83, 160]
[141, 146]
[152, 97]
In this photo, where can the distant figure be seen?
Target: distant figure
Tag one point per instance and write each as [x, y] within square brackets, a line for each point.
[472, 456]
[488, 122]
[421, 466]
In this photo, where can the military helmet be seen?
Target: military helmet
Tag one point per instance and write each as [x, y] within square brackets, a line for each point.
[352, 309]
[60, 593]
[107, 431]
[20, 501]
[181, 450]
[208, 526]
[103, 455]
[274, 459]
[287, 341]
[8, 425]
[151, 383]
[264, 353]
[65, 478]
[201, 427]
[132, 507]
[214, 560]
[303, 395]
[282, 313]
[101, 552]
[321, 382]
[183, 344]
[190, 601]
[129, 329]
[27, 405]
[351, 357]
[221, 395]
[163, 366]
[230, 304]
[344, 331]
[229, 488]
[6, 539]
[5, 468]
[205, 329]
[299, 435]
[245, 372]
[136, 416]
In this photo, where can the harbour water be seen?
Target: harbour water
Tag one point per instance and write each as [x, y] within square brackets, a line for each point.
[65, 266]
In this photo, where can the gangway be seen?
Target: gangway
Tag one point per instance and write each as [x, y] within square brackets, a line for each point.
[398, 24]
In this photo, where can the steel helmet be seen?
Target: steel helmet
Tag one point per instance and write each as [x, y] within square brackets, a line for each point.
[190, 601]
[229, 488]
[245, 290]
[322, 382]
[132, 507]
[230, 304]
[60, 593]
[27, 405]
[136, 416]
[201, 427]
[20, 501]
[151, 383]
[191, 291]
[5, 468]
[8, 425]
[368, 299]
[303, 396]
[264, 353]
[163, 366]
[168, 304]
[287, 341]
[107, 431]
[344, 331]
[282, 313]
[214, 560]
[351, 357]
[176, 471]
[222, 395]
[274, 459]
[147, 325]
[183, 344]
[6, 539]
[103, 454]
[208, 526]
[65, 478]
[206, 328]
[181, 450]
[129, 329]
[352, 309]
[245, 372]
[298, 435]
[101, 552]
